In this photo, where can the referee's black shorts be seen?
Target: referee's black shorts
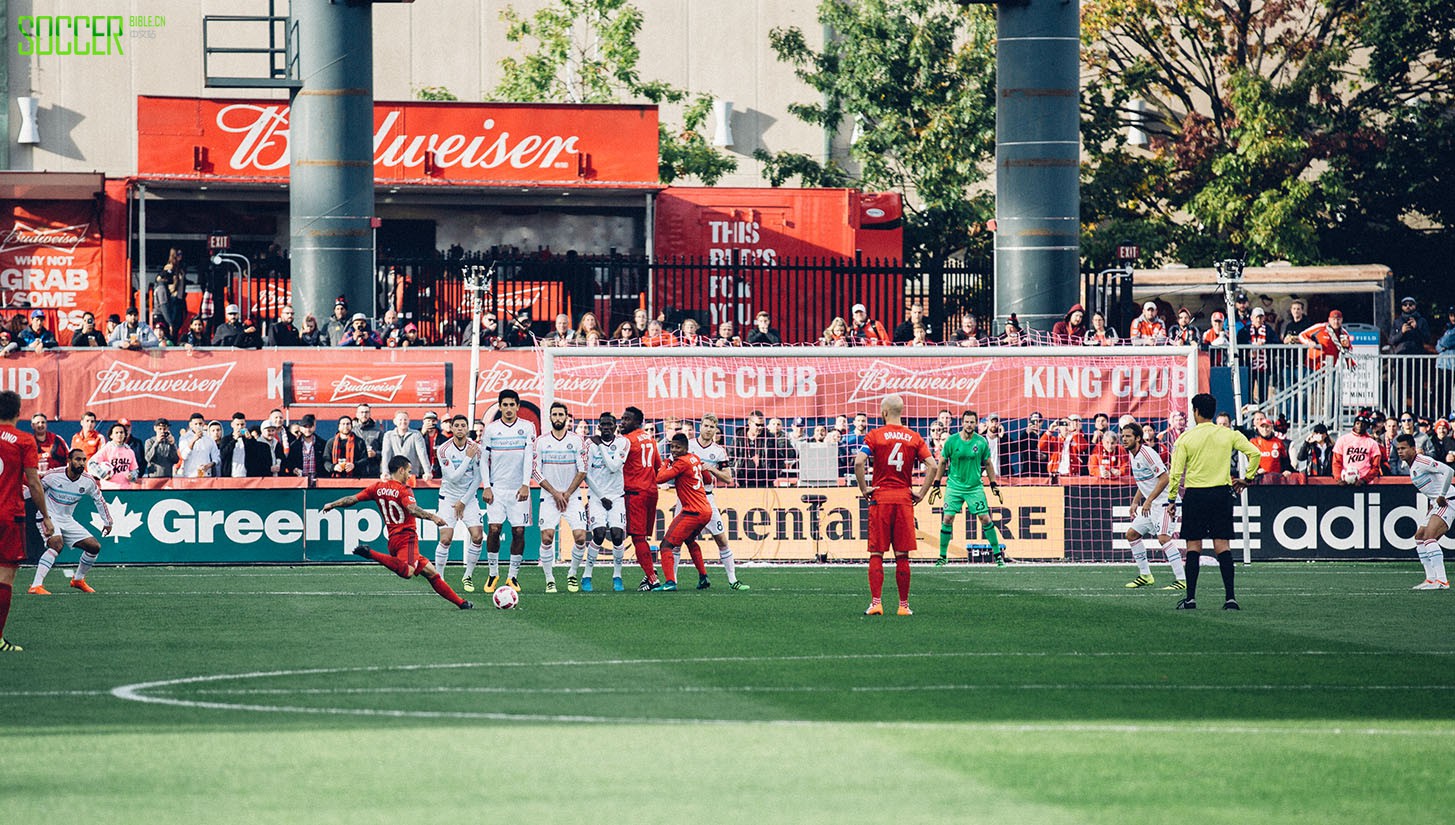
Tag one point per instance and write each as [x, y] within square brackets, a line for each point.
[1207, 513]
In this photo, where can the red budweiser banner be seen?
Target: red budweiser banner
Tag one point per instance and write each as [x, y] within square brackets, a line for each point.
[54, 256]
[414, 142]
[217, 383]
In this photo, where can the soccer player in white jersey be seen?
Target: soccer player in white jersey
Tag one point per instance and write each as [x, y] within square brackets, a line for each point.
[1150, 512]
[714, 459]
[606, 505]
[1432, 478]
[64, 488]
[459, 460]
[560, 467]
[505, 473]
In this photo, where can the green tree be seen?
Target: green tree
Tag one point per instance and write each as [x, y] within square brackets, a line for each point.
[1309, 130]
[586, 52]
[915, 80]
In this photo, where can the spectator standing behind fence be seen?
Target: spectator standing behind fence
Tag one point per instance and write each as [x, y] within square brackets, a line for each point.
[1357, 455]
[1071, 329]
[690, 335]
[657, 336]
[519, 333]
[231, 327]
[1393, 465]
[1063, 450]
[866, 331]
[587, 328]
[1099, 334]
[1148, 328]
[1442, 442]
[1109, 459]
[35, 336]
[914, 315]
[1409, 334]
[169, 296]
[197, 450]
[133, 334]
[161, 451]
[837, 334]
[115, 462]
[283, 332]
[306, 454]
[1255, 336]
[250, 337]
[88, 335]
[763, 331]
[345, 454]
[561, 335]
[726, 336]
[1274, 463]
[749, 453]
[359, 334]
[1297, 322]
[406, 442]
[391, 326]
[969, 334]
[367, 429]
[338, 323]
[1025, 453]
[89, 439]
[51, 449]
[1316, 454]
[1327, 341]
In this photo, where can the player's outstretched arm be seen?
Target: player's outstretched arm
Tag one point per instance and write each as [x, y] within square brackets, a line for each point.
[346, 501]
[419, 512]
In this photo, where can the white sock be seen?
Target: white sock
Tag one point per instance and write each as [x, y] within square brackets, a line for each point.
[1208, 559]
[515, 565]
[472, 558]
[616, 561]
[1422, 549]
[592, 549]
[1139, 552]
[1174, 558]
[84, 567]
[729, 565]
[42, 567]
[493, 561]
[578, 552]
[548, 560]
[442, 557]
[1436, 565]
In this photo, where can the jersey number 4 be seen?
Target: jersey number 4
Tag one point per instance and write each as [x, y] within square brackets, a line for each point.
[896, 458]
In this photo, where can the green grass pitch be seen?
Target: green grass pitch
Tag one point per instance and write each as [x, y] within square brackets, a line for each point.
[1024, 695]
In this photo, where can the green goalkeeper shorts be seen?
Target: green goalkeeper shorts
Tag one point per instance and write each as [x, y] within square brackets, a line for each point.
[973, 499]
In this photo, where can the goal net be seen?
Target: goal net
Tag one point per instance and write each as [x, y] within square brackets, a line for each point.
[791, 419]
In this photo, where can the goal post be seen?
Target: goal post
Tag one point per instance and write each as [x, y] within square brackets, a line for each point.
[787, 506]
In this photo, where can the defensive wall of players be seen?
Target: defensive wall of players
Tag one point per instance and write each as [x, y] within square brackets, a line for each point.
[280, 521]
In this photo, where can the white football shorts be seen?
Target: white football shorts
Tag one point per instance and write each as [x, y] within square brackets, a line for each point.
[471, 517]
[506, 509]
[551, 515]
[1155, 522]
[1445, 513]
[598, 516]
[70, 530]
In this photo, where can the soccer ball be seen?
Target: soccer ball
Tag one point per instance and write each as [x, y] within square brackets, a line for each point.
[99, 469]
[506, 598]
[1351, 477]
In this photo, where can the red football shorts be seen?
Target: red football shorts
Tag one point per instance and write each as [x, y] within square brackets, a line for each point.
[891, 525]
[12, 541]
[641, 513]
[685, 528]
[404, 546]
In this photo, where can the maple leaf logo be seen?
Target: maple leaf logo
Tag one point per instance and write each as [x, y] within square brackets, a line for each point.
[123, 521]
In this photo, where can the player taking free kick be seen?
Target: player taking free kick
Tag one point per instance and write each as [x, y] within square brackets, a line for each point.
[895, 449]
[1432, 478]
[18, 466]
[396, 503]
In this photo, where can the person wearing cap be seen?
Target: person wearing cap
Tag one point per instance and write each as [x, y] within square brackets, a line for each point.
[306, 453]
[1444, 395]
[35, 336]
[231, 327]
[1241, 311]
[1183, 333]
[429, 430]
[519, 333]
[1357, 455]
[270, 436]
[408, 337]
[1148, 328]
[1254, 336]
[359, 334]
[1274, 464]
[1409, 334]
[1326, 341]
[338, 323]
[864, 330]
[133, 334]
[160, 451]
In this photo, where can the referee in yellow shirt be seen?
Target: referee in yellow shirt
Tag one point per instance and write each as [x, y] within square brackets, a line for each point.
[1200, 475]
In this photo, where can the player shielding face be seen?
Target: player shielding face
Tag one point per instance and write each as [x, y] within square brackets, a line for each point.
[65, 487]
[606, 454]
[966, 456]
[561, 469]
[715, 469]
[1432, 478]
[1150, 511]
[895, 451]
[396, 503]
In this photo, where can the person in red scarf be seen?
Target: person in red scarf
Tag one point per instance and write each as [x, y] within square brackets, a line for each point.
[345, 453]
[1064, 449]
[52, 448]
[1109, 459]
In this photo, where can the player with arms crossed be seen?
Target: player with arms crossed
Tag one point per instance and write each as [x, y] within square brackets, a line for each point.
[1432, 478]
[639, 476]
[714, 458]
[693, 510]
[396, 503]
[18, 467]
[505, 473]
[459, 460]
[966, 455]
[64, 488]
[606, 508]
[895, 449]
[1150, 512]
[560, 467]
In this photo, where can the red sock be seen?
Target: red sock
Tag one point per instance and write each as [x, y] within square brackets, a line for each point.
[901, 577]
[390, 562]
[876, 576]
[443, 588]
[669, 563]
[644, 557]
[5, 591]
[695, 550]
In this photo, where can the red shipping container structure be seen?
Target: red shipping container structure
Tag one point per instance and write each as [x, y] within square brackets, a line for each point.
[739, 248]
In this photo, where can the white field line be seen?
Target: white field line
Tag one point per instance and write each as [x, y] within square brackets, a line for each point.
[657, 690]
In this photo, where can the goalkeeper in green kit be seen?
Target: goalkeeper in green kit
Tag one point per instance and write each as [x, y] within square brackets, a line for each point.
[966, 456]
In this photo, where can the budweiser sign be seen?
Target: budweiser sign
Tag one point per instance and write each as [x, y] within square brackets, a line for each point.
[191, 386]
[576, 384]
[60, 238]
[351, 388]
[460, 142]
[953, 384]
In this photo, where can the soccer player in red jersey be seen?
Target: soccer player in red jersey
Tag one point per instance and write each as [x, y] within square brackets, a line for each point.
[895, 450]
[396, 502]
[18, 462]
[639, 476]
[694, 510]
